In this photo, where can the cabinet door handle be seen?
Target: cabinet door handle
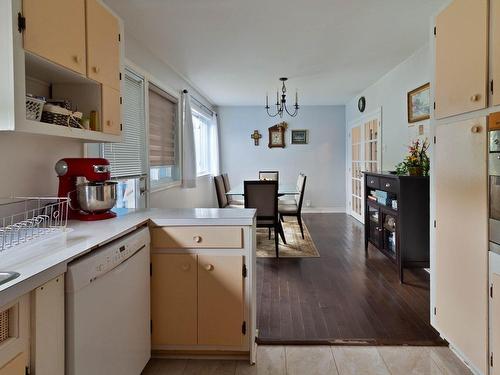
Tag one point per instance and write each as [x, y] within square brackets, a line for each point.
[372, 181]
[475, 129]
[475, 97]
[387, 185]
[197, 239]
[96, 69]
[77, 59]
[109, 122]
[185, 267]
[209, 267]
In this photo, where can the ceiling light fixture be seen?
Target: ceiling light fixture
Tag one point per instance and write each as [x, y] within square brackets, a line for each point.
[281, 107]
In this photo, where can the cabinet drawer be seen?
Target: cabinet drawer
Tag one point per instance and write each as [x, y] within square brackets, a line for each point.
[197, 237]
[372, 181]
[390, 185]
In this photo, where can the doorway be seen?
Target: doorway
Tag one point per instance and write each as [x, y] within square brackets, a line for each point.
[363, 154]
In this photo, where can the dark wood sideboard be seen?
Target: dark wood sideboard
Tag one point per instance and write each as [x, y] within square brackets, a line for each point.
[400, 231]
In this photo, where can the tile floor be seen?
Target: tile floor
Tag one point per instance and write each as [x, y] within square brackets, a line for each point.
[323, 360]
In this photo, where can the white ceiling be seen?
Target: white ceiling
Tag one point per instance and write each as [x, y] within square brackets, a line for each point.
[234, 51]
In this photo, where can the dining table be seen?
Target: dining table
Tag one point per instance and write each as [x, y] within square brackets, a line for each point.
[283, 189]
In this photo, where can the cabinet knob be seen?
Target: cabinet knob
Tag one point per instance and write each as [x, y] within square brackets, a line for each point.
[209, 267]
[185, 267]
[77, 59]
[372, 181]
[387, 185]
[475, 97]
[96, 69]
[380, 229]
[197, 239]
[475, 129]
[109, 122]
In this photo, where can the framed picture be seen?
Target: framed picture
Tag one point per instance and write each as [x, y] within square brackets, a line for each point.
[419, 104]
[299, 137]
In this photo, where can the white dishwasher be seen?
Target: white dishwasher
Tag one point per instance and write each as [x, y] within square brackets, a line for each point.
[108, 309]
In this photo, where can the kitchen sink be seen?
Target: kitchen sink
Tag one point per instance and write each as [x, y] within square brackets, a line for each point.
[6, 276]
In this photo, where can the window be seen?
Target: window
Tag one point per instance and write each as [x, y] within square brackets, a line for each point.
[128, 158]
[163, 137]
[201, 128]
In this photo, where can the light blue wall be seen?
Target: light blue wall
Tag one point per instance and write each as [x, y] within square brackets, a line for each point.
[322, 160]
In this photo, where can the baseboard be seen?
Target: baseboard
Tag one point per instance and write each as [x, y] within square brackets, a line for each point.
[323, 210]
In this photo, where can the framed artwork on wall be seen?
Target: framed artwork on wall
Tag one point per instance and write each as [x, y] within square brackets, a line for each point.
[419, 104]
[299, 137]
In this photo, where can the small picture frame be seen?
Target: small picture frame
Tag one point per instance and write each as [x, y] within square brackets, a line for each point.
[419, 104]
[299, 137]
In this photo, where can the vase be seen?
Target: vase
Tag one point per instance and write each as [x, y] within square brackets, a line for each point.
[415, 171]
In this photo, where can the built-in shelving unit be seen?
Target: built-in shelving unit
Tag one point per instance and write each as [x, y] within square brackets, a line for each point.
[23, 72]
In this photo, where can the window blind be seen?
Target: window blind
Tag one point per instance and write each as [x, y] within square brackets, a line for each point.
[162, 127]
[128, 157]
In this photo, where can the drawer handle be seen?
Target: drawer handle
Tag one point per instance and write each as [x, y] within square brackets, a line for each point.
[209, 267]
[96, 69]
[197, 239]
[387, 185]
[372, 181]
[77, 59]
[186, 267]
[475, 97]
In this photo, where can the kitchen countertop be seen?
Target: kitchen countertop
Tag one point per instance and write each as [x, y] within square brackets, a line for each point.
[39, 262]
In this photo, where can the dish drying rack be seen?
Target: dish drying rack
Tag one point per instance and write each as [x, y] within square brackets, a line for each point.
[24, 219]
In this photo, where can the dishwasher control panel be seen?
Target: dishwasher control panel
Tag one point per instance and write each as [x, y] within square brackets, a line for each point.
[100, 261]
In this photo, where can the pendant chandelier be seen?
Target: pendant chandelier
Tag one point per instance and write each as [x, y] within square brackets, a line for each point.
[281, 107]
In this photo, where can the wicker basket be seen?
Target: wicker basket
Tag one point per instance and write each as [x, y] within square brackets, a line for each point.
[56, 115]
[34, 108]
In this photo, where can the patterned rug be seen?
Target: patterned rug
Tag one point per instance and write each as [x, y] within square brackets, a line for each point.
[296, 247]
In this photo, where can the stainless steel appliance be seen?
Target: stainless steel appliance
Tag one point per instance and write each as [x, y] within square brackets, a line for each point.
[494, 182]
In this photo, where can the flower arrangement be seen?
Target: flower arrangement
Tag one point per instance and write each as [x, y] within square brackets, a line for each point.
[416, 163]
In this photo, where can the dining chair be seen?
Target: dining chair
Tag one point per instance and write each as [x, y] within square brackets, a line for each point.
[220, 190]
[269, 176]
[295, 208]
[231, 199]
[263, 196]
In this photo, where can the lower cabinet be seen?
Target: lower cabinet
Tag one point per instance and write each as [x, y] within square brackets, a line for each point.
[174, 299]
[47, 316]
[14, 337]
[16, 366]
[197, 299]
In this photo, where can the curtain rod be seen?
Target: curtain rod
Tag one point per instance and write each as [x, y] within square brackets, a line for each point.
[198, 102]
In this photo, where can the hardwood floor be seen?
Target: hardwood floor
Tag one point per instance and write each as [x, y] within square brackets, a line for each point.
[345, 296]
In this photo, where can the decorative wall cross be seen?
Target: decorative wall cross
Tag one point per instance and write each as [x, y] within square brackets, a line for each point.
[256, 136]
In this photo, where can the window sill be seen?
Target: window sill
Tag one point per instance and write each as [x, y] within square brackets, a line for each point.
[165, 186]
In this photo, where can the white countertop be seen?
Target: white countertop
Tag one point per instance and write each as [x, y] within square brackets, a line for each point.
[40, 261]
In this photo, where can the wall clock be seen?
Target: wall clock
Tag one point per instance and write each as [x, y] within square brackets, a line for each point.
[277, 135]
[362, 104]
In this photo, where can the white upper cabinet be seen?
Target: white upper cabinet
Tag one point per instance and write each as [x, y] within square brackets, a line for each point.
[461, 58]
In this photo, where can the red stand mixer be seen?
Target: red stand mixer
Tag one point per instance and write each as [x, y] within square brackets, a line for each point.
[88, 180]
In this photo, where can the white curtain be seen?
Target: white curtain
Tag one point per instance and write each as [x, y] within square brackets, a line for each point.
[214, 150]
[188, 148]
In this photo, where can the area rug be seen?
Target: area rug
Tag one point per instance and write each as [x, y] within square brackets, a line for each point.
[296, 247]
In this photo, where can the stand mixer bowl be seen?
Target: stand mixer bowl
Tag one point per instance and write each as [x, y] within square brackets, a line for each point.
[96, 197]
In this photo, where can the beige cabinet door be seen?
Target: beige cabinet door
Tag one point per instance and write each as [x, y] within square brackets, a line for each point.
[495, 50]
[495, 325]
[103, 45]
[462, 237]
[48, 330]
[15, 367]
[461, 58]
[220, 300]
[111, 111]
[55, 30]
[173, 299]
